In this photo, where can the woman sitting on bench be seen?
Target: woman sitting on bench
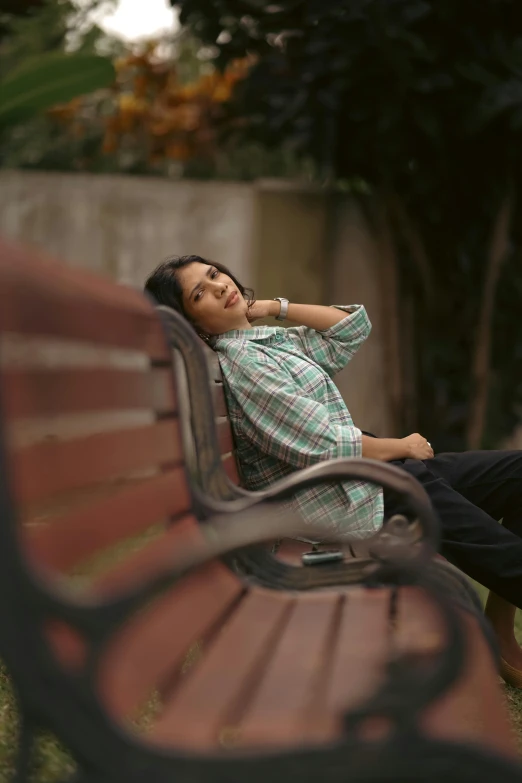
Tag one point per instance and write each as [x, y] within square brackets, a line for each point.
[287, 414]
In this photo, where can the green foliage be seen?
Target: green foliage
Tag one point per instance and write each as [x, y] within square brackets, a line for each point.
[43, 34]
[422, 100]
[53, 78]
[46, 26]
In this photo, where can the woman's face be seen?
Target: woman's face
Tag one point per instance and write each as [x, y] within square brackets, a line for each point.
[211, 299]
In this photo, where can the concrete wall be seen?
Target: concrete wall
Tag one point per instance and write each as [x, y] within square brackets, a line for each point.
[124, 226]
[282, 240]
[318, 248]
[290, 243]
[355, 276]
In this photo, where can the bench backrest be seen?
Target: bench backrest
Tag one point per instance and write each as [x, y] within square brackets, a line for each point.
[92, 436]
[227, 447]
[92, 473]
[218, 435]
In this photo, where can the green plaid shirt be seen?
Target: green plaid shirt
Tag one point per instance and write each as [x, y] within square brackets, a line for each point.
[287, 414]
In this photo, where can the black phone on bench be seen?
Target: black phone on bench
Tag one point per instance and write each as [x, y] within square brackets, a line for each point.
[321, 557]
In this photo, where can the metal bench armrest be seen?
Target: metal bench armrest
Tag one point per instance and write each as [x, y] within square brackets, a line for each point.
[379, 473]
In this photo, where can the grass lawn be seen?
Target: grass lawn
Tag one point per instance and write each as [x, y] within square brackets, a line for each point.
[52, 762]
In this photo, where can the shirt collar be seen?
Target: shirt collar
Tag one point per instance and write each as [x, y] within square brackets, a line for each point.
[258, 333]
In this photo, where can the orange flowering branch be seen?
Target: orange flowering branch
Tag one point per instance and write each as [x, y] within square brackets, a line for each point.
[149, 109]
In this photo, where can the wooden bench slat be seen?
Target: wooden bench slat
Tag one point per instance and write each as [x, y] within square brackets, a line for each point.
[361, 648]
[153, 645]
[45, 469]
[38, 393]
[291, 552]
[43, 298]
[230, 468]
[279, 710]
[471, 711]
[213, 365]
[220, 403]
[224, 433]
[417, 627]
[153, 557]
[34, 266]
[197, 713]
[62, 543]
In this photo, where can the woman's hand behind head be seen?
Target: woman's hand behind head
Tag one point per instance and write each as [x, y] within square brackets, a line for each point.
[264, 308]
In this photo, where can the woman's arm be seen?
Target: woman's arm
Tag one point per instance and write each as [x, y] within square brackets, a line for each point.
[281, 422]
[330, 336]
[316, 317]
[387, 449]
[297, 430]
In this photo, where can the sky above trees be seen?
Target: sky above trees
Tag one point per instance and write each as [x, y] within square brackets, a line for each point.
[134, 19]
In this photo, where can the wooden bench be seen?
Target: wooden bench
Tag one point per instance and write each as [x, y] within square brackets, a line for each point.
[119, 615]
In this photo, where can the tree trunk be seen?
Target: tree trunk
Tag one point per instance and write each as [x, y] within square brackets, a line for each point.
[407, 229]
[481, 368]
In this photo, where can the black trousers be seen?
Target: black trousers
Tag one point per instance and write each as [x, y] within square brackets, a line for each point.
[470, 493]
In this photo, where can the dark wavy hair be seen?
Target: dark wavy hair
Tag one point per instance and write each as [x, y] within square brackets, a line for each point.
[165, 288]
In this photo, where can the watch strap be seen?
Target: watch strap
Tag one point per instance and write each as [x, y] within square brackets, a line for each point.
[284, 307]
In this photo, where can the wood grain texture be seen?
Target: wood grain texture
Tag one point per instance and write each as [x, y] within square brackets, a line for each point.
[38, 393]
[473, 710]
[73, 537]
[46, 469]
[40, 297]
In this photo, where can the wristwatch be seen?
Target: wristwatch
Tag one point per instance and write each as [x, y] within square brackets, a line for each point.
[284, 308]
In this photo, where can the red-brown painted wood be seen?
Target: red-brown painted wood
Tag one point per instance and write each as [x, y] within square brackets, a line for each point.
[38, 393]
[73, 537]
[46, 469]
